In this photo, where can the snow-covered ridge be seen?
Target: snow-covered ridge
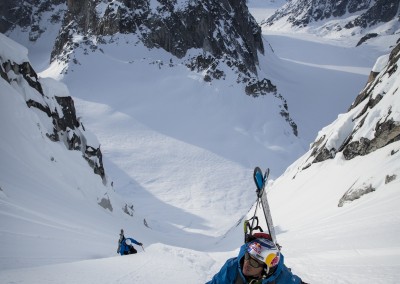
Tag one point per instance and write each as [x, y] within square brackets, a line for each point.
[334, 207]
[51, 104]
[52, 177]
[13, 51]
[362, 20]
[51, 100]
[373, 121]
[371, 124]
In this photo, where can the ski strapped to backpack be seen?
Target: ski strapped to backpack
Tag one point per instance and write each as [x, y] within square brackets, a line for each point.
[252, 224]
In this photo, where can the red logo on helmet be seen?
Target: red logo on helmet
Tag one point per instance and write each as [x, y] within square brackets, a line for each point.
[256, 247]
[275, 261]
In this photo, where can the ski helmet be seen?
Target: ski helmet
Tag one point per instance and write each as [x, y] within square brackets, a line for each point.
[265, 251]
[262, 235]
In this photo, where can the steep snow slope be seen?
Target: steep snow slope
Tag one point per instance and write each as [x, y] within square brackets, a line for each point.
[159, 91]
[45, 188]
[348, 244]
[346, 204]
[49, 196]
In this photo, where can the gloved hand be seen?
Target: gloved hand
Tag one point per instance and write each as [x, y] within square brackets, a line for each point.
[140, 244]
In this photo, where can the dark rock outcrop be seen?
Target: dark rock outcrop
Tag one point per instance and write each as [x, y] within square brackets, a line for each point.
[366, 37]
[219, 28]
[106, 203]
[386, 129]
[59, 109]
[382, 11]
[28, 15]
[355, 193]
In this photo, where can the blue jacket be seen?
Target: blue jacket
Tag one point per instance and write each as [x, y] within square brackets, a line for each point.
[123, 247]
[232, 270]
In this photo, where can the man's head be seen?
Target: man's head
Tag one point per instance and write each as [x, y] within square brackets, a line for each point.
[260, 254]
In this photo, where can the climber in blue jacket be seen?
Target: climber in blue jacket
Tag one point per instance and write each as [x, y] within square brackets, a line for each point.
[259, 262]
[125, 245]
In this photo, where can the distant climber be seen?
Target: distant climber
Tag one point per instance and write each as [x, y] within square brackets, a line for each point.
[125, 245]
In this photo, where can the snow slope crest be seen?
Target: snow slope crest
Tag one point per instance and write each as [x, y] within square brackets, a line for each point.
[372, 123]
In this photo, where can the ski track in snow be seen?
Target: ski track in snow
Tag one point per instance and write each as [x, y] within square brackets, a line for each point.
[348, 69]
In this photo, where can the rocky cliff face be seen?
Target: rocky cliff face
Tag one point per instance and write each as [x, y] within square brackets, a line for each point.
[56, 109]
[33, 16]
[219, 28]
[373, 119]
[222, 28]
[224, 31]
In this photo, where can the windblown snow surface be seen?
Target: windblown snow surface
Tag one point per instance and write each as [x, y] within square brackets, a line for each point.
[174, 155]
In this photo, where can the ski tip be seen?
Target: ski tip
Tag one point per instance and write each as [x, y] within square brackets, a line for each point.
[258, 178]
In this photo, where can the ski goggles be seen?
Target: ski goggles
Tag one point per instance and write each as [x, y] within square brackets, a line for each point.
[253, 262]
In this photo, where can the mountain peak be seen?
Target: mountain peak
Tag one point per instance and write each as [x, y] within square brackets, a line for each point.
[224, 28]
[362, 18]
